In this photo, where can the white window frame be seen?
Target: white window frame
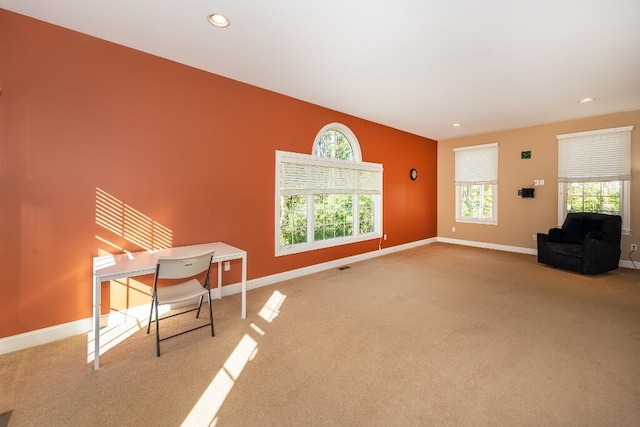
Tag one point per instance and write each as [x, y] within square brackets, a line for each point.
[365, 178]
[621, 174]
[488, 175]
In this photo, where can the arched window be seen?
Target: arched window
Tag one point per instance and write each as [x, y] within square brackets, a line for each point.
[336, 141]
[328, 198]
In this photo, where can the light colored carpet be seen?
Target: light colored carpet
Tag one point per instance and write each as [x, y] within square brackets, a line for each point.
[437, 335]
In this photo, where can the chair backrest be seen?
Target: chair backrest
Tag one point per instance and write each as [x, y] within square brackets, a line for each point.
[179, 267]
[611, 225]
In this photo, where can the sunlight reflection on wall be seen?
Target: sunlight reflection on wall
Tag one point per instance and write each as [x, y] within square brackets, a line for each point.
[122, 223]
[132, 225]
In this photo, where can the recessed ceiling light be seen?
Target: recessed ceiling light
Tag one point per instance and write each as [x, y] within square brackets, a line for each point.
[218, 20]
[585, 100]
[456, 125]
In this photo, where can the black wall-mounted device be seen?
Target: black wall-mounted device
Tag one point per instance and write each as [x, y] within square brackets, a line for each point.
[526, 192]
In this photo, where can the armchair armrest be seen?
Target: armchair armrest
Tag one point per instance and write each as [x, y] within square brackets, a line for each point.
[600, 255]
[542, 238]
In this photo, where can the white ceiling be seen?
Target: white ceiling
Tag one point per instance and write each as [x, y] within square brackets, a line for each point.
[415, 65]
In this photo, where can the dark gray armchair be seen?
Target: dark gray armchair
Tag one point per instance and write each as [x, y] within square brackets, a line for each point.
[587, 243]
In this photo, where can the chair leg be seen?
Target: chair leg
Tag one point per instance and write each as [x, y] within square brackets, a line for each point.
[150, 314]
[211, 315]
[157, 331]
[199, 306]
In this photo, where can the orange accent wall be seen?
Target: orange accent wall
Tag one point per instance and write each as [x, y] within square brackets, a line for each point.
[189, 153]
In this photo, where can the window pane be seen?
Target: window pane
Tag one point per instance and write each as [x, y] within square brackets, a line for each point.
[476, 201]
[334, 145]
[367, 214]
[333, 216]
[601, 197]
[293, 220]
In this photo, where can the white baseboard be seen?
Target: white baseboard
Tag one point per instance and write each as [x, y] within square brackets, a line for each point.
[44, 335]
[629, 264]
[58, 332]
[493, 246]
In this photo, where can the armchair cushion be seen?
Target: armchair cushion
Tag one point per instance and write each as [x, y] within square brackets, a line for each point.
[577, 228]
[557, 234]
[595, 235]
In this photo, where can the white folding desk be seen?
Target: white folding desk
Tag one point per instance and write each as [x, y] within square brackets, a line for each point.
[140, 263]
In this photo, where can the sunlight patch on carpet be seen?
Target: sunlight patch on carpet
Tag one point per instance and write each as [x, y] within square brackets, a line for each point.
[205, 411]
[207, 407]
[121, 325]
[272, 308]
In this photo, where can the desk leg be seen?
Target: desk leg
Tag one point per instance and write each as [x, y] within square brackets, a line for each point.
[96, 322]
[243, 312]
[219, 279]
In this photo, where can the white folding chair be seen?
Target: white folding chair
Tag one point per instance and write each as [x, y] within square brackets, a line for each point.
[185, 267]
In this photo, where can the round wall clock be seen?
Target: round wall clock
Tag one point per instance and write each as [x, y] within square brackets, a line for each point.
[413, 174]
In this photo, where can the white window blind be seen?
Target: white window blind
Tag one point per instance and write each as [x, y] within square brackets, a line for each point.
[307, 174]
[476, 164]
[594, 156]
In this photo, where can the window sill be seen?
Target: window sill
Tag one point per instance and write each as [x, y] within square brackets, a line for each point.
[323, 244]
[477, 221]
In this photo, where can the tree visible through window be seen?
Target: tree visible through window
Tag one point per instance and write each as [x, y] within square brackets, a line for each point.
[293, 225]
[333, 216]
[333, 144]
[601, 197]
[367, 214]
[476, 201]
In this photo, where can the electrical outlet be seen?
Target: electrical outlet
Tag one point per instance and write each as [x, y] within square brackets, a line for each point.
[227, 265]
[634, 247]
[385, 237]
[535, 237]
